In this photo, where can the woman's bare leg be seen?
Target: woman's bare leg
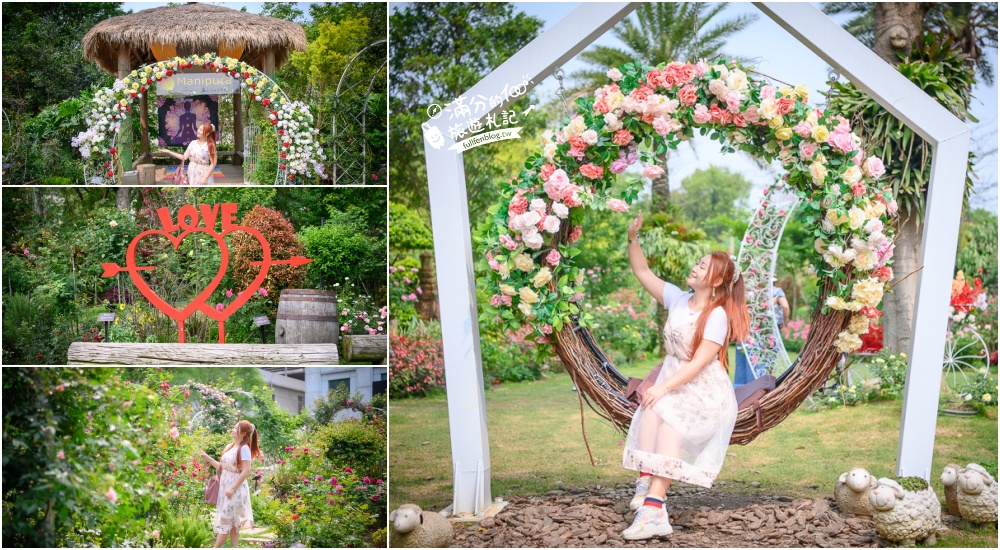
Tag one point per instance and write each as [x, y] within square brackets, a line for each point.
[668, 443]
[234, 535]
[220, 540]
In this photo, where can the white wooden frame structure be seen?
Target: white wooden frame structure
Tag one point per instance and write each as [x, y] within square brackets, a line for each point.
[453, 246]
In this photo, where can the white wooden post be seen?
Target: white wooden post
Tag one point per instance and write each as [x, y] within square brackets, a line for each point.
[950, 138]
[453, 247]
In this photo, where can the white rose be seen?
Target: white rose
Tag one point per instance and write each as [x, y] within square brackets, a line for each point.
[615, 74]
[737, 80]
[768, 109]
[524, 263]
[551, 224]
[856, 217]
[533, 239]
[537, 205]
[589, 136]
[560, 210]
[549, 151]
[612, 123]
[852, 175]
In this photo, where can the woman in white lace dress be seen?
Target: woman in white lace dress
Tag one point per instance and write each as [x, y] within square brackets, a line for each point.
[681, 429]
[201, 155]
[233, 510]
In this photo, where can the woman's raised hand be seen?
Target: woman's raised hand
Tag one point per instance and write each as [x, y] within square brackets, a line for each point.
[633, 229]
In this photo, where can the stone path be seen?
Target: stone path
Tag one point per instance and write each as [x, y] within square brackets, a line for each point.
[701, 518]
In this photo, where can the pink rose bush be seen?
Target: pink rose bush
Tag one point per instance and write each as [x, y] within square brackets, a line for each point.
[659, 107]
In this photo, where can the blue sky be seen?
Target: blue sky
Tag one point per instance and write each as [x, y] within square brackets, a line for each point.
[778, 54]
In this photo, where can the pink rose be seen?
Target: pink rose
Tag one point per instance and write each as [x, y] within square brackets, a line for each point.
[551, 224]
[701, 115]
[618, 166]
[618, 205]
[767, 92]
[553, 257]
[174, 433]
[803, 129]
[752, 114]
[577, 142]
[873, 167]
[641, 93]
[592, 171]
[785, 105]
[574, 234]
[547, 171]
[660, 126]
[505, 300]
[518, 204]
[858, 189]
[652, 171]
[60, 455]
[622, 138]
[229, 293]
[155, 534]
[733, 102]
[508, 242]
[262, 291]
[495, 300]
[219, 307]
[688, 95]
[807, 149]
[841, 141]
[111, 495]
[700, 68]
[494, 265]
[546, 329]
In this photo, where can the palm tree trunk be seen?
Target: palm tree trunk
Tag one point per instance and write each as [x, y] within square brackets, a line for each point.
[661, 185]
[897, 25]
[122, 198]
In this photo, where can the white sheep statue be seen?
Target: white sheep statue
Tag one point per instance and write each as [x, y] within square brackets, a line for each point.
[906, 516]
[851, 492]
[949, 478]
[977, 495]
[414, 528]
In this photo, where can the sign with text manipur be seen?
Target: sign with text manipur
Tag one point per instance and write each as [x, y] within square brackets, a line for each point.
[198, 83]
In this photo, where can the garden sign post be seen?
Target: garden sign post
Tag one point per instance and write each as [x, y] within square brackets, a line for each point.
[453, 253]
[453, 245]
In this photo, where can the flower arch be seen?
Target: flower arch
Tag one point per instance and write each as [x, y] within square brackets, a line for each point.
[298, 144]
[643, 111]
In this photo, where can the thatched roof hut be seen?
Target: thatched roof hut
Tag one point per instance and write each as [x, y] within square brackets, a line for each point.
[160, 33]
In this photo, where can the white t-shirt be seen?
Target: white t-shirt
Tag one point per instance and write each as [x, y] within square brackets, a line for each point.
[717, 325]
[245, 453]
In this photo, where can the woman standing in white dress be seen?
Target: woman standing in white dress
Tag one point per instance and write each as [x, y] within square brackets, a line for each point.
[201, 155]
[681, 429]
[233, 510]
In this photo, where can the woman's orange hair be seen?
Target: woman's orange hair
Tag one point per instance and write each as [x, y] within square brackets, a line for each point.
[209, 130]
[731, 297]
[248, 436]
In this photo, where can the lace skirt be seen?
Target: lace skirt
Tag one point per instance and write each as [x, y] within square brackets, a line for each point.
[235, 511]
[197, 171]
[685, 436]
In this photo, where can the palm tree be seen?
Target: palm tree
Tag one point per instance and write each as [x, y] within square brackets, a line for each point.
[662, 32]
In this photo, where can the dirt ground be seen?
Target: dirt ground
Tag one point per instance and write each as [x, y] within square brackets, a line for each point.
[701, 518]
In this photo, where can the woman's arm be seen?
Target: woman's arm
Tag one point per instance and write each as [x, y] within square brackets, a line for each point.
[177, 156]
[214, 463]
[637, 261]
[707, 351]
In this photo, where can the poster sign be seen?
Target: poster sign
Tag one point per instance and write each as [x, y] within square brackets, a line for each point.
[198, 84]
[205, 218]
[181, 116]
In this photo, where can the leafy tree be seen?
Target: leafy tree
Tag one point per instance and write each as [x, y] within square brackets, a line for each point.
[43, 59]
[662, 32]
[943, 68]
[712, 193]
[407, 230]
[342, 249]
[439, 50]
[977, 247]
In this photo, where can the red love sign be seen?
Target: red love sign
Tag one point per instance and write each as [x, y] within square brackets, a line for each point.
[191, 220]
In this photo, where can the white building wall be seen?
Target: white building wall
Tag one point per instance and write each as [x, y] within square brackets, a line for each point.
[360, 379]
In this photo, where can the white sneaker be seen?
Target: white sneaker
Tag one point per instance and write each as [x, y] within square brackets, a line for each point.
[649, 522]
[641, 490]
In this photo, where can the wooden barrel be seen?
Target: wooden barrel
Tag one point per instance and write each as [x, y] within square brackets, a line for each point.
[307, 317]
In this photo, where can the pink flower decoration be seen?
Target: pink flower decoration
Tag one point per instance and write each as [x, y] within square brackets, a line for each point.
[60, 455]
[111, 495]
[219, 307]
[174, 433]
[229, 293]
[262, 291]
[618, 205]
[553, 257]
[592, 171]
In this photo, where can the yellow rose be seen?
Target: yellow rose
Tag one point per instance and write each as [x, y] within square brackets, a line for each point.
[508, 290]
[865, 260]
[856, 216]
[858, 324]
[847, 342]
[852, 175]
[821, 134]
[836, 217]
[524, 263]
[868, 292]
[818, 172]
[768, 109]
[874, 210]
[820, 246]
[802, 91]
[542, 278]
[784, 134]
[504, 270]
[786, 91]
[575, 127]
[836, 302]
[126, 81]
[525, 309]
[819, 158]
[812, 118]
[282, 101]
[527, 295]
[776, 122]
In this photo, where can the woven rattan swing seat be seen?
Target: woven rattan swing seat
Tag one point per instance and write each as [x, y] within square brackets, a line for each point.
[603, 386]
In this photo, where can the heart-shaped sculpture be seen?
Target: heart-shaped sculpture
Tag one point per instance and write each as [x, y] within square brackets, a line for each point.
[178, 315]
[254, 285]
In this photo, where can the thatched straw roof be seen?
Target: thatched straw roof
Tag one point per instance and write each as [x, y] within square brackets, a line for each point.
[192, 28]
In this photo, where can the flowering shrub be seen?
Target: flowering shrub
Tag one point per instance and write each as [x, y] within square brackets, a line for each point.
[353, 443]
[217, 410]
[622, 332]
[980, 392]
[871, 341]
[533, 278]
[848, 395]
[509, 357]
[359, 315]
[300, 151]
[416, 364]
[795, 334]
[404, 291]
[890, 371]
[284, 244]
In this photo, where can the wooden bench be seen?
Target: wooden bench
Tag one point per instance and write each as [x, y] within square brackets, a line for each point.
[114, 353]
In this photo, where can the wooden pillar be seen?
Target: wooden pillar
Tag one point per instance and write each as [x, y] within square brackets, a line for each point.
[146, 156]
[238, 128]
[125, 133]
[269, 63]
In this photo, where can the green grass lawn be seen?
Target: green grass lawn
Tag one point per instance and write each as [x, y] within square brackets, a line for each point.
[536, 446]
